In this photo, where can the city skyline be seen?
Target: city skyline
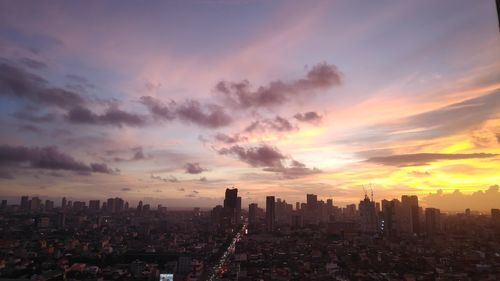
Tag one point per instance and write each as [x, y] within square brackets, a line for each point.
[173, 102]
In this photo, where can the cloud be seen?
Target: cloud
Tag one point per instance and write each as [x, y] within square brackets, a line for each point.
[33, 63]
[139, 153]
[295, 170]
[28, 115]
[125, 189]
[309, 117]
[262, 156]
[212, 116]
[46, 158]
[440, 122]
[194, 168]
[169, 179]
[190, 111]
[278, 124]
[458, 201]
[230, 139]
[419, 173]
[203, 179]
[271, 159]
[31, 129]
[240, 94]
[6, 174]
[158, 109]
[112, 116]
[18, 83]
[420, 159]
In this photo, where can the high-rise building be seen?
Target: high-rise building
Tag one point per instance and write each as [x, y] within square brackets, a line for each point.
[230, 200]
[111, 207]
[389, 219]
[63, 203]
[139, 206]
[297, 206]
[252, 213]
[25, 202]
[79, 205]
[495, 215]
[368, 215]
[230, 206]
[35, 204]
[432, 221]
[270, 213]
[312, 209]
[409, 214]
[49, 205]
[94, 205]
[4, 204]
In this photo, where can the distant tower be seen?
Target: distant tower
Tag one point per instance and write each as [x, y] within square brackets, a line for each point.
[368, 215]
[270, 213]
[252, 213]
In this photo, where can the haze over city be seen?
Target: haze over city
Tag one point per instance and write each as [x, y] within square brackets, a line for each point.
[173, 102]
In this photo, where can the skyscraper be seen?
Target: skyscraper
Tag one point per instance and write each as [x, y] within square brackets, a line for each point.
[230, 200]
[432, 221]
[409, 214]
[270, 213]
[25, 204]
[312, 209]
[252, 213]
[63, 203]
[368, 215]
[94, 205]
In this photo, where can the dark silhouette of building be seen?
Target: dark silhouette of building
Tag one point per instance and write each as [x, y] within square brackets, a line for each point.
[270, 213]
[230, 200]
[368, 215]
[25, 203]
[410, 214]
[252, 213]
[432, 221]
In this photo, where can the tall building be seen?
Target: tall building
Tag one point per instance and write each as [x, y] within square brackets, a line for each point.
[270, 213]
[110, 204]
[25, 202]
[495, 215]
[94, 205]
[368, 215]
[230, 200]
[312, 209]
[409, 214]
[230, 206]
[49, 205]
[388, 220]
[252, 213]
[35, 204]
[63, 203]
[432, 221]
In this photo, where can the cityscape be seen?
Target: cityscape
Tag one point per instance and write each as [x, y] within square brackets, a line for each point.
[250, 140]
[312, 240]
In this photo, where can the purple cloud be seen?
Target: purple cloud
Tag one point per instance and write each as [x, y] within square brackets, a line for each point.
[240, 94]
[18, 83]
[46, 158]
[194, 168]
[310, 117]
[112, 116]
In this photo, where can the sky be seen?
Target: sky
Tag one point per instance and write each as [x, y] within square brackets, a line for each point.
[171, 102]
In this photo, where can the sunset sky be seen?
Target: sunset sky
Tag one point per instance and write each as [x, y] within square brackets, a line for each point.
[173, 101]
